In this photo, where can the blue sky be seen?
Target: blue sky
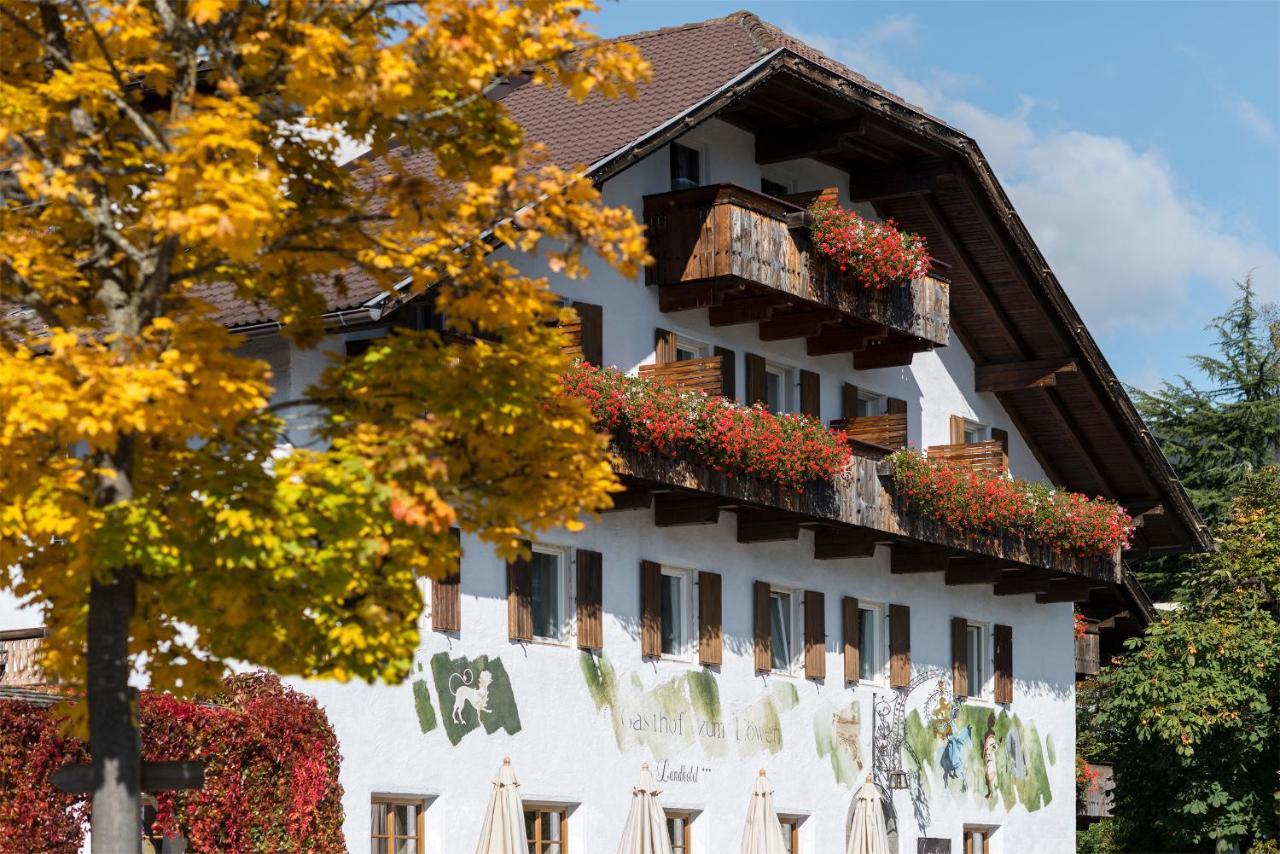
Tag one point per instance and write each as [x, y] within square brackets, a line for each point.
[1139, 141]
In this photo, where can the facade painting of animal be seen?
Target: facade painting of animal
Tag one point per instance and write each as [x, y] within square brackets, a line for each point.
[469, 688]
[474, 693]
[953, 756]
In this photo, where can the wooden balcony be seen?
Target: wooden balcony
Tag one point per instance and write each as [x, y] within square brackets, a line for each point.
[20, 652]
[746, 258]
[701, 374]
[875, 435]
[850, 517]
[988, 457]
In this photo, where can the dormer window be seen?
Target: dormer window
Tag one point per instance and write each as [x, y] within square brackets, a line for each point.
[686, 167]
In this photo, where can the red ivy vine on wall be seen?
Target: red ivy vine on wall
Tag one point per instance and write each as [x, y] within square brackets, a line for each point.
[976, 503]
[876, 254]
[271, 773]
[789, 450]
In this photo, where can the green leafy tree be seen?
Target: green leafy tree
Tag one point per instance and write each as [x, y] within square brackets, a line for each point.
[1190, 719]
[1217, 433]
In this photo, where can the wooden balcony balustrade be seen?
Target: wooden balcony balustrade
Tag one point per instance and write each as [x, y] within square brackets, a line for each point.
[988, 457]
[20, 652]
[883, 433]
[747, 258]
[701, 374]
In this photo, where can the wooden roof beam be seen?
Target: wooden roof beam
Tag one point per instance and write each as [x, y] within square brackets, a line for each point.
[1021, 581]
[761, 526]
[913, 180]
[1018, 376]
[749, 310]
[894, 355]
[837, 543]
[844, 340]
[912, 561]
[803, 324]
[1073, 431]
[1068, 590]
[817, 140]
[976, 570]
[673, 509]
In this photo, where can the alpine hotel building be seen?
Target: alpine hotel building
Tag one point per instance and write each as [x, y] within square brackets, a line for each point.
[713, 626]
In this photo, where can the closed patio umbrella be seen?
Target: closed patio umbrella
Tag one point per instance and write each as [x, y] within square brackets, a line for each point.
[646, 828]
[763, 834]
[503, 830]
[867, 834]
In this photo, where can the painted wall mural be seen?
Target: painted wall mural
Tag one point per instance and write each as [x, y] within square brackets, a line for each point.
[980, 754]
[837, 733]
[685, 711]
[473, 693]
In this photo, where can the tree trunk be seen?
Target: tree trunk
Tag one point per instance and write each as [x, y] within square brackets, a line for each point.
[113, 737]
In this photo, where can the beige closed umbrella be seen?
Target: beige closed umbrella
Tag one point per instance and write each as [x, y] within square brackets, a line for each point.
[646, 828]
[503, 830]
[763, 834]
[867, 834]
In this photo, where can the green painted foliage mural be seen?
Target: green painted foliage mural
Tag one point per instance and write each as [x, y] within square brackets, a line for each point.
[474, 693]
[422, 706]
[993, 759]
[837, 734]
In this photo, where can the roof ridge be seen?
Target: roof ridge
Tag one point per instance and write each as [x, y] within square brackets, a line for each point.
[676, 28]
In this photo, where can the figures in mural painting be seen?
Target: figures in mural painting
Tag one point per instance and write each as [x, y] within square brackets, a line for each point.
[465, 692]
[953, 755]
[989, 747]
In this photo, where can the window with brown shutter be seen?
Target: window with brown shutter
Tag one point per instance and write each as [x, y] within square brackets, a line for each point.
[1004, 663]
[899, 646]
[520, 599]
[650, 609]
[815, 635]
[446, 596]
[894, 406]
[710, 631]
[664, 346]
[848, 401]
[590, 612]
[757, 382]
[590, 332]
[810, 394]
[960, 656]
[763, 635]
[728, 373]
[850, 617]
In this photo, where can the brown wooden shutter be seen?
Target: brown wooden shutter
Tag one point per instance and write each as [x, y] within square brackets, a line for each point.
[650, 608]
[848, 400]
[815, 635]
[764, 637]
[1004, 663]
[710, 631]
[852, 630]
[959, 656]
[893, 406]
[520, 599]
[664, 346]
[728, 373]
[757, 387]
[899, 646]
[591, 332]
[446, 596]
[590, 610]
[810, 394]
[957, 429]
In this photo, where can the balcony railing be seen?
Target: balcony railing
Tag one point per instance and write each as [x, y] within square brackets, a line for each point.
[988, 457]
[747, 257]
[875, 435]
[20, 652]
[701, 374]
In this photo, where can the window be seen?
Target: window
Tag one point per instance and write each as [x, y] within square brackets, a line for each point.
[976, 658]
[777, 189]
[396, 826]
[548, 591]
[679, 826]
[676, 609]
[546, 829]
[977, 840]
[975, 432]
[777, 386]
[790, 833]
[871, 638]
[870, 403]
[780, 630]
[687, 349]
[686, 167]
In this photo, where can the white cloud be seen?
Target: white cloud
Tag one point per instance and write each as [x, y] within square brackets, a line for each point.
[1126, 240]
[1251, 118]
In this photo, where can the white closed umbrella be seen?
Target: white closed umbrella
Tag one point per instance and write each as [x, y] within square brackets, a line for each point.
[763, 834]
[503, 830]
[867, 834]
[646, 828]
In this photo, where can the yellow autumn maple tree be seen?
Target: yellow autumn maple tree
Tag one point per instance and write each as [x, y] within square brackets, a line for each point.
[155, 152]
